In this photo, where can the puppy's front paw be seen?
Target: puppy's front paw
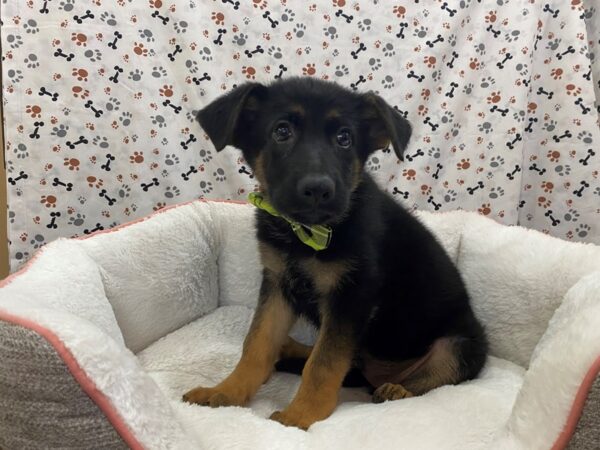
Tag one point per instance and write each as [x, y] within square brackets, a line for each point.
[291, 419]
[211, 397]
[390, 391]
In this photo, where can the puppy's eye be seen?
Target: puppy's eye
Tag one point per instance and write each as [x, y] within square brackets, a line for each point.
[282, 132]
[344, 138]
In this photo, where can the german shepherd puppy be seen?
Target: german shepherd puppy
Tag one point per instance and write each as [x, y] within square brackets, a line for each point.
[385, 296]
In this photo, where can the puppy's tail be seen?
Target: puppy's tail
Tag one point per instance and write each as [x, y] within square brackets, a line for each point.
[354, 378]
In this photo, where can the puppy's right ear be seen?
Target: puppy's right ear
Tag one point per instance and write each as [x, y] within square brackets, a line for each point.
[224, 117]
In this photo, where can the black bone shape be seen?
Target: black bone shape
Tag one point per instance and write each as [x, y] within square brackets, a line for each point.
[22, 176]
[588, 75]
[566, 134]
[115, 78]
[436, 206]
[146, 186]
[507, 57]
[57, 182]
[282, 69]
[412, 74]
[419, 152]
[553, 12]
[219, 39]
[45, 9]
[186, 175]
[258, 49]
[267, 15]
[434, 126]
[450, 63]
[360, 80]
[175, 108]
[541, 90]
[479, 185]
[522, 203]
[585, 160]
[535, 168]
[569, 49]
[511, 175]
[98, 227]
[113, 44]
[178, 49]
[584, 109]
[81, 140]
[52, 224]
[35, 134]
[511, 144]
[90, 105]
[361, 47]
[68, 57]
[450, 93]
[340, 13]
[246, 171]
[579, 192]
[529, 127]
[525, 82]
[185, 144]
[436, 174]
[164, 19]
[111, 201]
[106, 166]
[403, 26]
[538, 38]
[439, 38]
[88, 15]
[236, 4]
[43, 91]
[495, 108]
[205, 76]
[554, 221]
[401, 112]
[490, 28]
[403, 194]
[450, 11]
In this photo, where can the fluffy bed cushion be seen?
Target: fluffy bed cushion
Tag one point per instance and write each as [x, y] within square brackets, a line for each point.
[142, 313]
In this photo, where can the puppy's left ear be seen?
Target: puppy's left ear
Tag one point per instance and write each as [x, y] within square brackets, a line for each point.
[385, 125]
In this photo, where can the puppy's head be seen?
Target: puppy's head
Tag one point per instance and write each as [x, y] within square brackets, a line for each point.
[306, 140]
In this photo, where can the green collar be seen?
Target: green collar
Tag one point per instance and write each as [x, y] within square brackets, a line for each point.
[317, 237]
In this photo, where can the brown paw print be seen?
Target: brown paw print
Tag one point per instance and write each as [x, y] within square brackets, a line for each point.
[425, 93]
[556, 73]
[409, 174]
[249, 71]
[218, 18]
[547, 186]
[139, 49]
[425, 190]
[72, 163]
[262, 4]
[474, 63]
[531, 107]
[80, 39]
[49, 201]
[572, 89]
[430, 61]
[464, 164]
[137, 158]
[399, 10]
[159, 205]
[494, 97]
[34, 110]
[544, 202]
[553, 155]
[491, 17]
[309, 69]
[485, 209]
[422, 110]
[94, 182]
[166, 90]
[80, 74]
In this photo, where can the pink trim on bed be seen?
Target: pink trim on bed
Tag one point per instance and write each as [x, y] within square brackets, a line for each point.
[577, 406]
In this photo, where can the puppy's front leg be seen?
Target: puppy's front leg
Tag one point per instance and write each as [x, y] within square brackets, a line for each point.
[268, 331]
[322, 376]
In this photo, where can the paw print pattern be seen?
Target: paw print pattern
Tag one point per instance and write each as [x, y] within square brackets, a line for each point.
[136, 75]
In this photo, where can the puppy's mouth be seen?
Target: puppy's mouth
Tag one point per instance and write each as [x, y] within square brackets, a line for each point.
[312, 217]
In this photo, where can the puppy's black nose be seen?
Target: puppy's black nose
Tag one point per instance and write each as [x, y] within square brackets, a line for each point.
[317, 189]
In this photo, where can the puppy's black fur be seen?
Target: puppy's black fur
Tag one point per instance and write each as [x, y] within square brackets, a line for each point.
[398, 291]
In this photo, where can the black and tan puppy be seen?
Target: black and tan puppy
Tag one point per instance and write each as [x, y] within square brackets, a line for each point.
[384, 294]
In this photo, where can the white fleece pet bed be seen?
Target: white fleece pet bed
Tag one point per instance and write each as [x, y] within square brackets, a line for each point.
[142, 313]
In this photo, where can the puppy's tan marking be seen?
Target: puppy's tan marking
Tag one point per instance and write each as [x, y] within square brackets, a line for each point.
[259, 171]
[333, 114]
[271, 258]
[297, 109]
[326, 276]
[294, 349]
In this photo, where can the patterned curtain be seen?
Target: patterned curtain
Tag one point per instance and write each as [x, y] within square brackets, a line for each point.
[99, 100]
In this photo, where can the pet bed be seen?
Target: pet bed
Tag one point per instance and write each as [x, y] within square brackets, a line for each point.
[100, 336]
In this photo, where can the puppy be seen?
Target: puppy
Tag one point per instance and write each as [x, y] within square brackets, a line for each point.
[385, 296]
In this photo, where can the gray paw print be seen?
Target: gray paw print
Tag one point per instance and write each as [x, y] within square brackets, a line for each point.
[597, 190]
[585, 137]
[420, 32]
[108, 18]
[21, 151]
[434, 152]
[205, 155]
[206, 54]
[21, 256]
[191, 65]
[82, 199]
[582, 230]
[171, 159]
[219, 175]
[31, 61]
[375, 63]
[158, 120]
[553, 44]
[164, 141]
[37, 241]
[364, 25]
[206, 187]
[136, 75]
[571, 215]
[299, 30]
[388, 49]
[388, 82]
[288, 15]
[455, 129]
[487, 82]
[450, 196]
[448, 117]
[373, 163]
[563, 170]
[275, 52]
[485, 127]
[436, 75]
[15, 76]
[11, 216]
[19, 191]
[240, 39]
[101, 142]
[172, 191]
[452, 40]
[330, 32]
[181, 26]
[158, 72]
[113, 104]
[93, 55]
[134, 207]
[468, 89]
[60, 131]
[550, 125]
[125, 118]
[124, 191]
[147, 35]
[523, 69]
[14, 40]
[66, 5]
[31, 26]
[519, 116]
[342, 70]
[77, 220]
[512, 36]
[496, 192]
[480, 48]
